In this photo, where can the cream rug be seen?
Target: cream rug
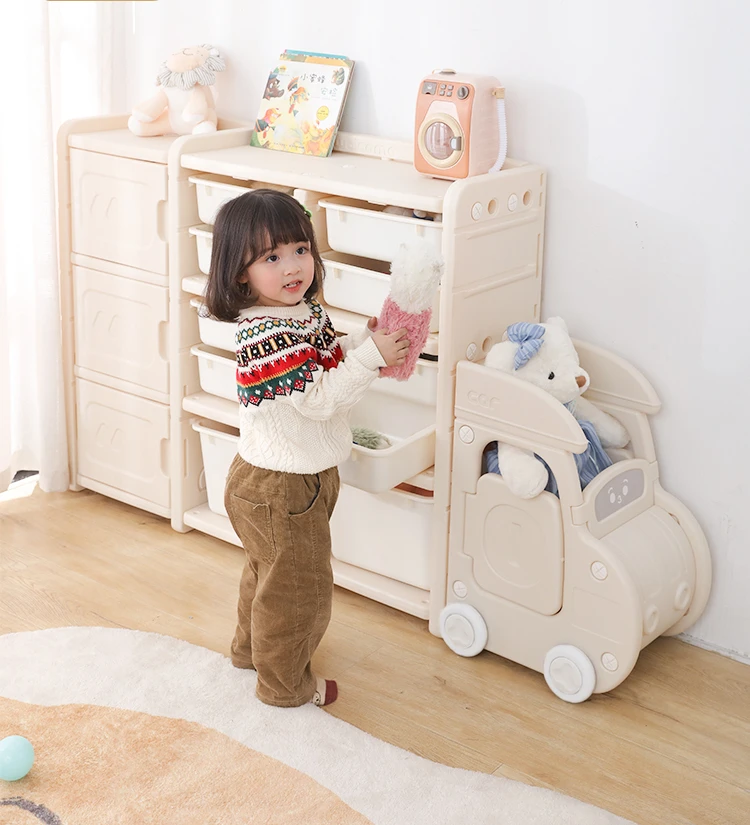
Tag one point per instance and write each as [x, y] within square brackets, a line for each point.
[134, 728]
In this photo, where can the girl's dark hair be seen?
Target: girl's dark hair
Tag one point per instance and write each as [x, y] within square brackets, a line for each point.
[246, 229]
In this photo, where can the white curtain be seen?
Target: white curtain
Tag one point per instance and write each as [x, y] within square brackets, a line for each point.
[62, 54]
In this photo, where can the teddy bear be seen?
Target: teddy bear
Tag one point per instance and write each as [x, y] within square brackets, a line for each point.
[185, 102]
[544, 355]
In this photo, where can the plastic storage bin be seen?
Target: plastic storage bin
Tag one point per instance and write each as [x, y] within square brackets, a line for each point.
[389, 534]
[204, 241]
[219, 447]
[364, 229]
[421, 388]
[217, 372]
[213, 191]
[408, 425]
[361, 285]
[217, 334]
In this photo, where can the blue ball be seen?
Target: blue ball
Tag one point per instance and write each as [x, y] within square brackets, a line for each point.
[16, 758]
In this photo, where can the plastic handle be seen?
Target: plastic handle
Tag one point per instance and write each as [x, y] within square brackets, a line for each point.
[161, 221]
[502, 129]
[163, 336]
[164, 456]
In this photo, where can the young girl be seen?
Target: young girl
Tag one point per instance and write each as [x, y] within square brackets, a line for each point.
[296, 384]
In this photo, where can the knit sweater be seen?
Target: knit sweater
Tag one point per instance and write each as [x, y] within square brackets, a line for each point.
[296, 388]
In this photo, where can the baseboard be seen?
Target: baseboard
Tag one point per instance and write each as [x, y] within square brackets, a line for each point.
[724, 651]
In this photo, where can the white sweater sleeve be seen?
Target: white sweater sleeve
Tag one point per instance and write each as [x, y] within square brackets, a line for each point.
[353, 340]
[339, 389]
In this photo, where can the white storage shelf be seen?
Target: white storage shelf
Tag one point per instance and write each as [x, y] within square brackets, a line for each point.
[155, 423]
[136, 220]
[387, 542]
[382, 536]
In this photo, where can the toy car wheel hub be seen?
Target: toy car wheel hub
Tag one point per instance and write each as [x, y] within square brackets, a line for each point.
[463, 629]
[460, 631]
[566, 675]
[569, 673]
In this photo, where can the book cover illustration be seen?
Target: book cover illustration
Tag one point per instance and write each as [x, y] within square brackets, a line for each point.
[302, 103]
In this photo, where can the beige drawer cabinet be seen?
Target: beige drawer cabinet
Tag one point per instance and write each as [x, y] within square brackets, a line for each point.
[120, 200]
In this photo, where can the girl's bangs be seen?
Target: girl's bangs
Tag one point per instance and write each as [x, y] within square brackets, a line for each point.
[279, 226]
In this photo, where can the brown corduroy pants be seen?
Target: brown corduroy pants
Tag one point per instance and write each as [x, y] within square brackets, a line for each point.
[286, 588]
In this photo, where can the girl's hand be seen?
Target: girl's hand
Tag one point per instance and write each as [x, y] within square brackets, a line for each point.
[393, 346]
[372, 323]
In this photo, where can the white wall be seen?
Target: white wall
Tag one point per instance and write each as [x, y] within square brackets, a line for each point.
[639, 112]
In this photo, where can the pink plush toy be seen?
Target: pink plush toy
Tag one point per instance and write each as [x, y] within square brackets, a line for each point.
[415, 277]
[185, 100]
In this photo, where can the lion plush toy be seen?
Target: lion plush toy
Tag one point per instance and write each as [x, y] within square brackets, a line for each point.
[544, 355]
[185, 102]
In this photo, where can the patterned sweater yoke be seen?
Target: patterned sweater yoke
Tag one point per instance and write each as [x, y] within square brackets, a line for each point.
[296, 387]
[278, 356]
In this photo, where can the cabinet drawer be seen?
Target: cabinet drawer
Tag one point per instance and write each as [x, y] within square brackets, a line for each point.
[119, 209]
[121, 328]
[123, 441]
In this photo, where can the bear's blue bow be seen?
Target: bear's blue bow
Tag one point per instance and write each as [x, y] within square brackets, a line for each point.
[529, 339]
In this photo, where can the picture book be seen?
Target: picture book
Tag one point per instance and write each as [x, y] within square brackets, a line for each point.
[302, 103]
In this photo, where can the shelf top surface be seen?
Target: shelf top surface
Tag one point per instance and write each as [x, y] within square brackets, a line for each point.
[124, 143]
[356, 176]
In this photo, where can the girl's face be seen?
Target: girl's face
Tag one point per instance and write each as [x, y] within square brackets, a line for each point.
[282, 276]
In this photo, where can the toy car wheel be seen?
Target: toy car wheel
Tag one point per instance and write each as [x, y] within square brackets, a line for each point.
[569, 673]
[463, 629]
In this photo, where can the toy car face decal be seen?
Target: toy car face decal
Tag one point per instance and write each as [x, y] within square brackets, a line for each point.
[621, 491]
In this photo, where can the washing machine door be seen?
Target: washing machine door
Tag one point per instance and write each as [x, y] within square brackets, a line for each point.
[441, 141]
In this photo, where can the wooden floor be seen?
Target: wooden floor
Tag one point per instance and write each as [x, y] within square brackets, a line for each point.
[669, 746]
